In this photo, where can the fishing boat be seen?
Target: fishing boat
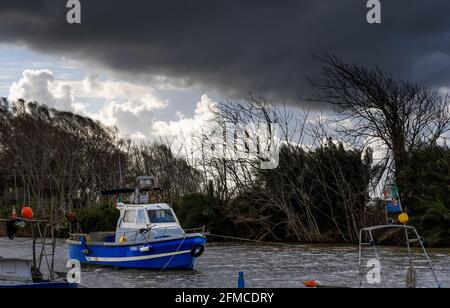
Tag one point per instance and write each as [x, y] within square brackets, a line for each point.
[38, 272]
[20, 274]
[148, 236]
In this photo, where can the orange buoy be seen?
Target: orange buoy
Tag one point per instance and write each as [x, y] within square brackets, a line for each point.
[27, 213]
[311, 284]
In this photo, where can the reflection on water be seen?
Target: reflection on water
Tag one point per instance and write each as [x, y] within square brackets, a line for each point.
[264, 266]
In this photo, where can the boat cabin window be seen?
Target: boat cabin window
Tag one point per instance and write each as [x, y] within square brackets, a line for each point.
[141, 219]
[166, 232]
[161, 216]
[129, 217]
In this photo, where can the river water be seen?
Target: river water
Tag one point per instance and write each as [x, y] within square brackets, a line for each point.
[264, 266]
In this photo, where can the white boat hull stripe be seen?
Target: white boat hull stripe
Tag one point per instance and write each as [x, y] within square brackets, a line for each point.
[138, 258]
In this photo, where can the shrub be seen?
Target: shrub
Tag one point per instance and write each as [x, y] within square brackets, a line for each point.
[98, 219]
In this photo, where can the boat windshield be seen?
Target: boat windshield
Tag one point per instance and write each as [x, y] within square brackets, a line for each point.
[161, 216]
[158, 233]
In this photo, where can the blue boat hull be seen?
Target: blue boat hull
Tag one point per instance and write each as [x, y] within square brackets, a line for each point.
[174, 253]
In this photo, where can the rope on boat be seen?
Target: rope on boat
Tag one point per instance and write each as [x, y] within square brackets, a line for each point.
[250, 240]
[171, 258]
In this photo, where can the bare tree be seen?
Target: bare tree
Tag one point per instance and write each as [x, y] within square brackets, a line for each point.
[316, 189]
[375, 106]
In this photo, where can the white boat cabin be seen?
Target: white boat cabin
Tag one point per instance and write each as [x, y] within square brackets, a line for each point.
[143, 222]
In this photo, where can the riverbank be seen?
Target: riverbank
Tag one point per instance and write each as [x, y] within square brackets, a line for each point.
[104, 217]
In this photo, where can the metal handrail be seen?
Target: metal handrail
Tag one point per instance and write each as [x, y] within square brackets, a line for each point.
[191, 230]
[76, 236]
[369, 232]
[39, 229]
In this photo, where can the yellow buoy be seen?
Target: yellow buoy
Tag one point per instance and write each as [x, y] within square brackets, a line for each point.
[123, 239]
[403, 218]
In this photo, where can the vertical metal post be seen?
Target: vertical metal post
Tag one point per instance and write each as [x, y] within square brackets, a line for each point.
[430, 263]
[241, 281]
[33, 236]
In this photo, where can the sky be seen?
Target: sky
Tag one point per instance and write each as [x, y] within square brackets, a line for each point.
[154, 67]
[140, 110]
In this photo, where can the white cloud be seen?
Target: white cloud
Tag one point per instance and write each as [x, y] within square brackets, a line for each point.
[127, 105]
[183, 132]
[40, 86]
[137, 125]
[444, 90]
[133, 97]
[187, 126]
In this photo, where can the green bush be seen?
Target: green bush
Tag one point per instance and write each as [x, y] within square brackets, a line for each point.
[197, 210]
[425, 187]
[98, 219]
[5, 211]
[194, 210]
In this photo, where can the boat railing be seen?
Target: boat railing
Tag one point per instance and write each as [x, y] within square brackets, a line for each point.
[130, 238]
[43, 245]
[91, 237]
[195, 230]
[411, 237]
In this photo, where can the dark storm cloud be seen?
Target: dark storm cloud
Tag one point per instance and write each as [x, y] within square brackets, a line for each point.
[237, 46]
